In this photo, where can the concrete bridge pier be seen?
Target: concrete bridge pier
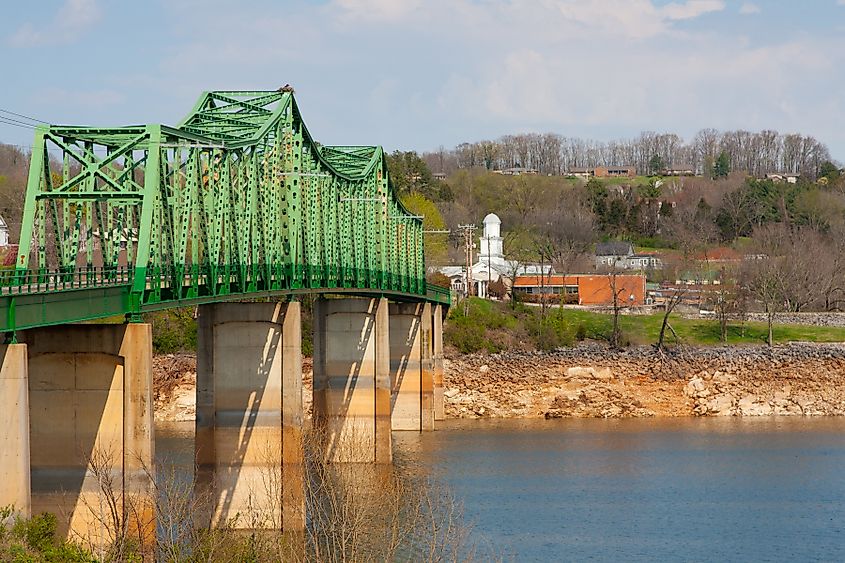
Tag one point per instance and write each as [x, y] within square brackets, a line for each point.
[249, 416]
[352, 379]
[14, 429]
[91, 441]
[437, 361]
[411, 369]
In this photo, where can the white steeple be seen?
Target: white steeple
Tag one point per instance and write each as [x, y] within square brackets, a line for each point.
[491, 251]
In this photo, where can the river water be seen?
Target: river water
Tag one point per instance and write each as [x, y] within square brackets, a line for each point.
[690, 489]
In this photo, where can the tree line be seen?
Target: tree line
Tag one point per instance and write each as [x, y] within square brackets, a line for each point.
[756, 153]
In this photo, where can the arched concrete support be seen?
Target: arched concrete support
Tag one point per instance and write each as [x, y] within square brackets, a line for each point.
[352, 379]
[437, 360]
[14, 429]
[411, 370]
[249, 415]
[91, 428]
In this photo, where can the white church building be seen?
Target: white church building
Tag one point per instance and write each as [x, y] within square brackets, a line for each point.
[491, 265]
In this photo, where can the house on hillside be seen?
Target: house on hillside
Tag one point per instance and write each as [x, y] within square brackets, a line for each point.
[4, 233]
[615, 171]
[608, 254]
[581, 172]
[518, 171]
[621, 255]
[678, 170]
[788, 177]
[641, 261]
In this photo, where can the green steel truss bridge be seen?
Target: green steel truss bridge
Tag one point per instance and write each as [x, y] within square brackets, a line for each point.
[238, 201]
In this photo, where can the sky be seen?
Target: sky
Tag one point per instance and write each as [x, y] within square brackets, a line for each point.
[419, 74]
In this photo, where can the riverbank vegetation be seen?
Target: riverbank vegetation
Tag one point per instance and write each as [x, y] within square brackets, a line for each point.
[34, 540]
[479, 325]
[355, 512]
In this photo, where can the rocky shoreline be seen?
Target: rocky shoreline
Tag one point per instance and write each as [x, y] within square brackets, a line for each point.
[593, 381]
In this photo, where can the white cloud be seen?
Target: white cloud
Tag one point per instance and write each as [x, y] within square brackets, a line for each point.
[692, 9]
[378, 10]
[749, 8]
[73, 19]
[460, 70]
[627, 18]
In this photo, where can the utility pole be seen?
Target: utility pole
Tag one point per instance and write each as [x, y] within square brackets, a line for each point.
[468, 231]
[489, 272]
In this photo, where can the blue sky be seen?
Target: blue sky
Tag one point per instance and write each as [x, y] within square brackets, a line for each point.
[416, 74]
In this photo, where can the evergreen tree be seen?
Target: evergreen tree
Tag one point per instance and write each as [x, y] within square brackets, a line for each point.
[722, 166]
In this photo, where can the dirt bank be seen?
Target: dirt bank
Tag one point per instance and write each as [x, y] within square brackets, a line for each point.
[594, 381]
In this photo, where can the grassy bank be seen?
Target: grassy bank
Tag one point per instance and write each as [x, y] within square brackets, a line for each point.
[493, 327]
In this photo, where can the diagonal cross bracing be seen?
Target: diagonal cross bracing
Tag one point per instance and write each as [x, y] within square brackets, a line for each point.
[236, 201]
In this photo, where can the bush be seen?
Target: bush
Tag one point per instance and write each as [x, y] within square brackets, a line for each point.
[34, 541]
[174, 330]
[478, 325]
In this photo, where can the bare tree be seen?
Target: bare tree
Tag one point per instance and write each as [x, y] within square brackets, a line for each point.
[519, 249]
[618, 291]
[669, 305]
[565, 233]
[765, 283]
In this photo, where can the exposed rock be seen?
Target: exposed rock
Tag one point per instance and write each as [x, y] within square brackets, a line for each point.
[578, 372]
[592, 380]
[751, 405]
[720, 405]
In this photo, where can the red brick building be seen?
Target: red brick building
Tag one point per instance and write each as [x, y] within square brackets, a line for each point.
[583, 289]
[615, 172]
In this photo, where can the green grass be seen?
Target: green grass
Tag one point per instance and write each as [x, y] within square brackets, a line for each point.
[645, 329]
[494, 327]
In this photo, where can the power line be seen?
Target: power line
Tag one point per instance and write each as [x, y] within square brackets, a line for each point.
[22, 115]
[15, 123]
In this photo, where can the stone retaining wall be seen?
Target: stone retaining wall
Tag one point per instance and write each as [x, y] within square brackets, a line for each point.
[811, 319]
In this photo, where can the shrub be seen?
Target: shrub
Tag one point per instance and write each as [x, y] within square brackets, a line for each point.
[34, 540]
[174, 330]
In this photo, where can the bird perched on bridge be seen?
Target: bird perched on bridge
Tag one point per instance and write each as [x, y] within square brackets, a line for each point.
[286, 88]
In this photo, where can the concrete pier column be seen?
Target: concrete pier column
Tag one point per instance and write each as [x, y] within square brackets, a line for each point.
[410, 370]
[14, 429]
[91, 429]
[352, 379]
[249, 416]
[437, 360]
